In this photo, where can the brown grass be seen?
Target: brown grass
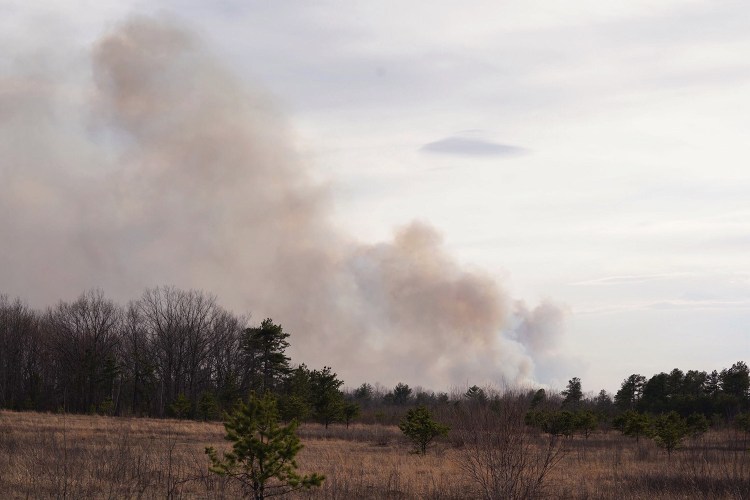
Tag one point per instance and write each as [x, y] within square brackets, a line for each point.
[65, 456]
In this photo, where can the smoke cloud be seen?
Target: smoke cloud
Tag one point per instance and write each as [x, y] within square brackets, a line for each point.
[154, 165]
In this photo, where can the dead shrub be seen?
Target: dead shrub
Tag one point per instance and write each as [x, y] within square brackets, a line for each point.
[499, 455]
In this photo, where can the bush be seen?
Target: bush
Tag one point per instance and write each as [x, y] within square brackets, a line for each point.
[500, 457]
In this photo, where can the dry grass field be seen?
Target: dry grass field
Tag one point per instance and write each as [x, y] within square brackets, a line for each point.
[73, 456]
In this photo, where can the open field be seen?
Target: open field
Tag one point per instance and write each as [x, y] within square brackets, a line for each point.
[73, 456]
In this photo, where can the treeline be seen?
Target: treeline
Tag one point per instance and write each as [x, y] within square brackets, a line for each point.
[178, 353]
[169, 353]
[666, 406]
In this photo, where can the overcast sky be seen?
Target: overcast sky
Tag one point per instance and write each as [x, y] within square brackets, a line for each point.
[590, 153]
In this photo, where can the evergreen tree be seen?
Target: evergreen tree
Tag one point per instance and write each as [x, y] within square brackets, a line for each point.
[421, 429]
[263, 452]
[675, 383]
[603, 403]
[573, 393]
[634, 424]
[585, 421]
[712, 385]
[630, 392]
[264, 349]
[742, 422]
[539, 397]
[326, 398]
[654, 398]
[293, 407]
[208, 407]
[669, 430]
[735, 381]
[229, 391]
[295, 403]
[181, 406]
[400, 395]
[693, 383]
[350, 412]
[476, 394]
[364, 393]
[559, 423]
[697, 424]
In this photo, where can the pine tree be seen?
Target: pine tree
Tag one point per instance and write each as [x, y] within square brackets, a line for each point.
[208, 407]
[351, 411]
[400, 395]
[264, 348]
[181, 406]
[476, 394]
[630, 392]
[539, 397]
[326, 397]
[421, 429]
[634, 424]
[573, 393]
[586, 422]
[669, 430]
[697, 424]
[263, 452]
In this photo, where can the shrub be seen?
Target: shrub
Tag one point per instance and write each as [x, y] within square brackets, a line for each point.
[500, 457]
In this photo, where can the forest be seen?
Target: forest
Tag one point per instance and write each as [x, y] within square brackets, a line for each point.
[175, 353]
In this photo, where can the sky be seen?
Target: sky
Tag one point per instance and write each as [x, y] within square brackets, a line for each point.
[588, 156]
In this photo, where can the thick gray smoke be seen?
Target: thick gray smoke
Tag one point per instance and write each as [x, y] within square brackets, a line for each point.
[161, 168]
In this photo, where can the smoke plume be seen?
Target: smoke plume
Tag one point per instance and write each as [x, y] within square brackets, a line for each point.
[156, 166]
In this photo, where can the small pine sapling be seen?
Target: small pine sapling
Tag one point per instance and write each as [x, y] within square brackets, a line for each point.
[263, 452]
[669, 431]
[421, 429]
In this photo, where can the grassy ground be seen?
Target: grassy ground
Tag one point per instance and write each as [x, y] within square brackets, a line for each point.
[67, 456]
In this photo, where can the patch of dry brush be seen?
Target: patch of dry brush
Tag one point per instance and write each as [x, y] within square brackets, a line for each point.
[64, 456]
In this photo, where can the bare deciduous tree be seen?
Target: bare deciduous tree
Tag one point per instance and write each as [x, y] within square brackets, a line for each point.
[180, 327]
[20, 353]
[226, 357]
[138, 363]
[84, 336]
